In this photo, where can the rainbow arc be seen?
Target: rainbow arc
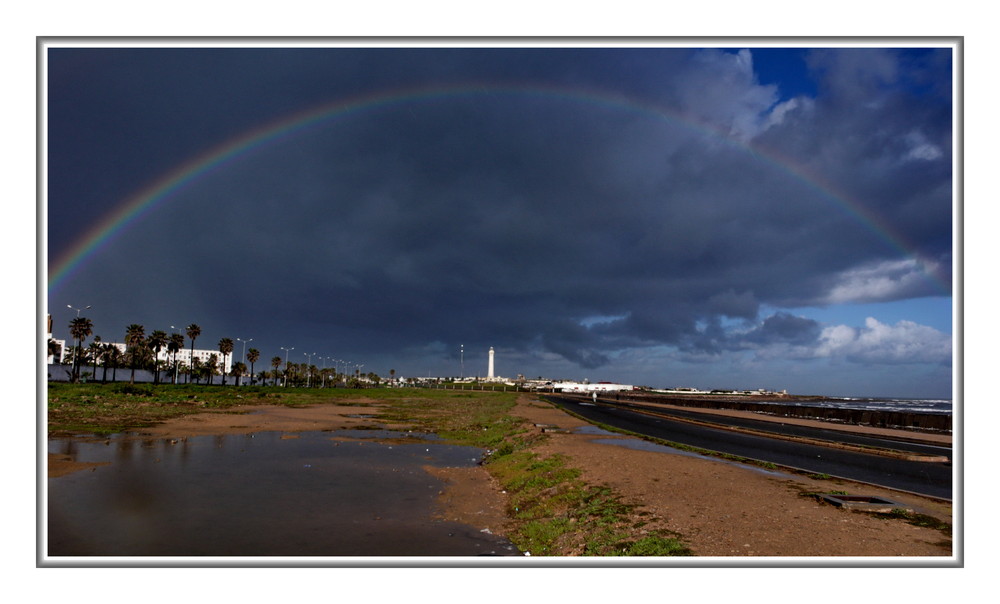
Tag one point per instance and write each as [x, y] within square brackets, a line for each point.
[159, 192]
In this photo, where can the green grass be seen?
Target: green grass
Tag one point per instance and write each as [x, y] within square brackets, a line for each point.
[117, 407]
[922, 520]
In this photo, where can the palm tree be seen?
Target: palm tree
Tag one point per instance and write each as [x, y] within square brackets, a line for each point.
[239, 368]
[94, 353]
[107, 356]
[275, 362]
[115, 356]
[157, 340]
[225, 347]
[193, 331]
[252, 355]
[174, 345]
[211, 366]
[195, 370]
[79, 328]
[55, 351]
[135, 339]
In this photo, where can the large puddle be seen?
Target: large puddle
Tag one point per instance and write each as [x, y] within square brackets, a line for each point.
[644, 445]
[320, 494]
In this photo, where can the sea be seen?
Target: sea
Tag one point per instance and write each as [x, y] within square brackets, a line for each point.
[906, 405]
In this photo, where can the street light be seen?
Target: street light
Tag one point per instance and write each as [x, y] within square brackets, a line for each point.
[174, 379]
[79, 342]
[70, 306]
[245, 351]
[244, 345]
[285, 382]
[322, 371]
[309, 355]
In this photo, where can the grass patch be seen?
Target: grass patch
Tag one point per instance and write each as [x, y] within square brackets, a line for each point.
[118, 407]
[921, 520]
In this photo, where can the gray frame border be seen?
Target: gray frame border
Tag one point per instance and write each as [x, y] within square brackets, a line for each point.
[956, 43]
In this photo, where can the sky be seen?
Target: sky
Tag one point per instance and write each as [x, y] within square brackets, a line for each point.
[729, 217]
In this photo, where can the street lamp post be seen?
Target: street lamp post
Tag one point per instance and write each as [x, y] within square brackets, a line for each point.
[70, 306]
[245, 351]
[244, 345]
[309, 355]
[76, 353]
[285, 381]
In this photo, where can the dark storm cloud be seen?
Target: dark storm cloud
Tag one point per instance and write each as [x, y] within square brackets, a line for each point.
[787, 329]
[527, 221]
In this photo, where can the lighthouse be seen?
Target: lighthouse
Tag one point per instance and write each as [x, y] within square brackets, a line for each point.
[490, 374]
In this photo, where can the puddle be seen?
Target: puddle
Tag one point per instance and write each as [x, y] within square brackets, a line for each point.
[594, 431]
[644, 445]
[335, 493]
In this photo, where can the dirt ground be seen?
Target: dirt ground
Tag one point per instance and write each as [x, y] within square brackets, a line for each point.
[722, 509]
[718, 509]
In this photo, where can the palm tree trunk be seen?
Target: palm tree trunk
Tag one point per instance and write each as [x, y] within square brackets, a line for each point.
[191, 362]
[76, 361]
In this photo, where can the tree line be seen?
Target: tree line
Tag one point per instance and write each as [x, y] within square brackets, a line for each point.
[142, 352]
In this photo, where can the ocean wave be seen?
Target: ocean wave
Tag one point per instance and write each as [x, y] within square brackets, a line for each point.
[936, 406]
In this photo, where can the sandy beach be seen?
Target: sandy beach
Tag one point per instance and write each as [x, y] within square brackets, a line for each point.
[718, 509]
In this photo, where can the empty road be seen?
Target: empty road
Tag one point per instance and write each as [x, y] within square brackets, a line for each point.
[926, 478]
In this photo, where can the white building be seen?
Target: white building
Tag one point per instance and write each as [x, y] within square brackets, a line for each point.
[62, 345]
[586, 387]
[489, 374]
[184, 356]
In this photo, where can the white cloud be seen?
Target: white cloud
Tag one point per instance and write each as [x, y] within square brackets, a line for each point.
[721, 87]
[882, 281]
[779, 111]
[880, 343]
[920, 148]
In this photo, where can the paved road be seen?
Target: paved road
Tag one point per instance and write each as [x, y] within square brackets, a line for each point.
[933, 479]
[811, 432]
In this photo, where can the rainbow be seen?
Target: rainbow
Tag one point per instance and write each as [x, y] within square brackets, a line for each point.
[160, 191]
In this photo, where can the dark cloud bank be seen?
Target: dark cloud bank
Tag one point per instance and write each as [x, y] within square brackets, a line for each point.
[576, 237]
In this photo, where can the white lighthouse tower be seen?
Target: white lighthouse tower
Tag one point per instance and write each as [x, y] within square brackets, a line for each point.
[490, 374]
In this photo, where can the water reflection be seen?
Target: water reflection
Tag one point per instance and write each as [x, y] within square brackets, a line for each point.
[260, 495]
[645, 445]
[642, 445]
